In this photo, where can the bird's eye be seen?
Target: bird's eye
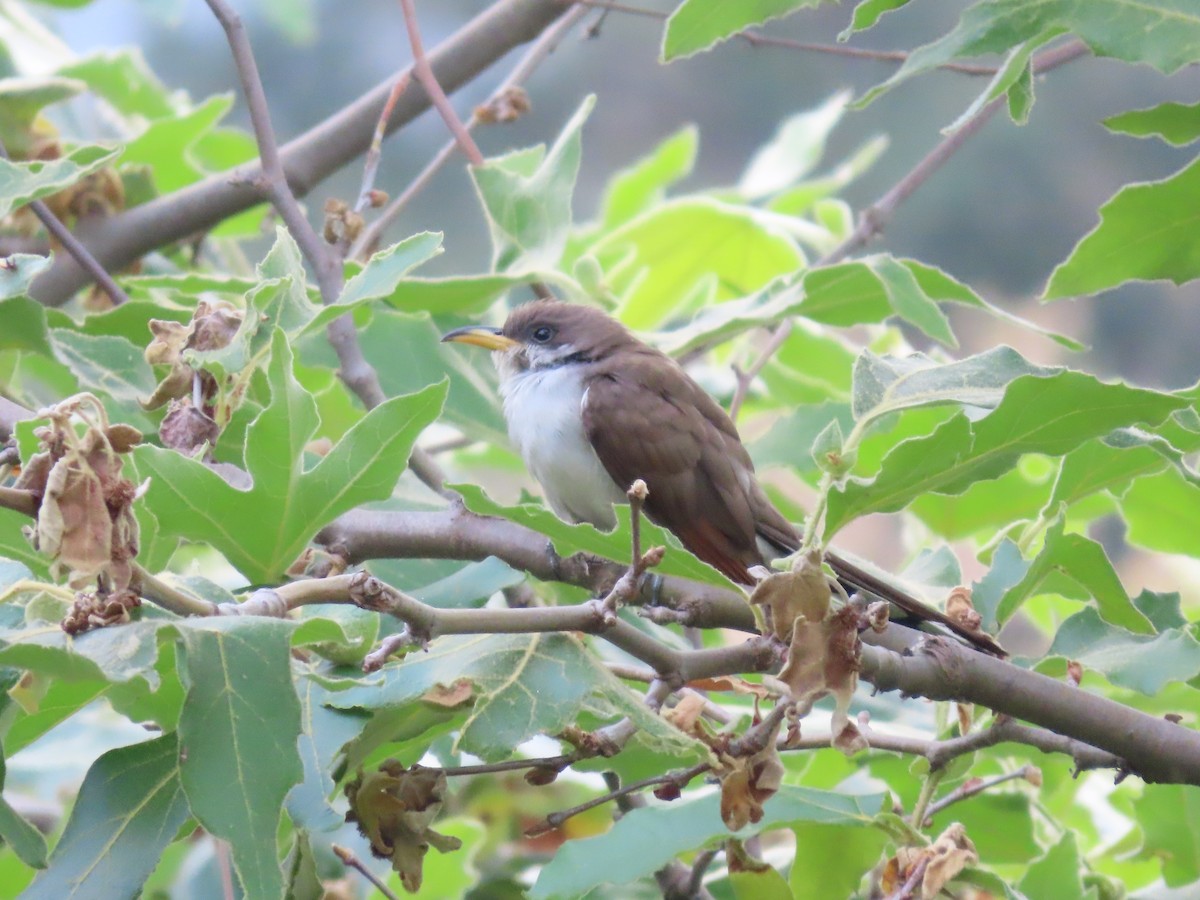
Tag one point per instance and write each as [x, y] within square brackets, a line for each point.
[542, 333]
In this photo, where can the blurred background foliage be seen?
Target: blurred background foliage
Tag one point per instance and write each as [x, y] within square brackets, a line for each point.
[999, 216]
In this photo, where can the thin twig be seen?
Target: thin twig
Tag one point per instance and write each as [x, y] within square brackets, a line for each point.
[358, 374]
[348, 857]
[511, 765]
[537, 53]
[74, 246]
[908, 890]
[375, 151]
[971, 788]
[556, 819]
[630, 583]
[18, 500]
[424, 74]
[700, 865]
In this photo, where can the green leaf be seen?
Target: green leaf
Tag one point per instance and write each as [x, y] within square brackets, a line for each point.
[888, 384]
[17, 273]
[124, 80]
[1170, 820]
[1135, 661]
[756, 884]
[165, 145]
[643, 185]
[1146, 233]
[790, 435]
[111, 654]
[867, 13]
[239, 725]
[21, 182]
[615, 544]
[129, 809]
[1085, 562]
[723, 321]
[698, 25]
[1162, 512]
[473, 403]
[22, 100]
[470, 586]
[525, 684]
[1000, 825]
[529, 212]
[832, 859]
[1050, 415]
[15, 831]
[383, 275]
[106, 365]
[944, 288]
[645, 839]
[794, 151]
[24, 324]
[1101, 466]
[870, 290]
[667, 251]
[261, 531]
[1175, 123]
[324, 732]
[1015, 68]
[1163, 33]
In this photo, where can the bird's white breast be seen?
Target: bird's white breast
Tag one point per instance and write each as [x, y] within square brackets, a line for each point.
[545, 421]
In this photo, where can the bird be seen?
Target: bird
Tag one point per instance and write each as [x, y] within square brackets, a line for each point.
[591, 408]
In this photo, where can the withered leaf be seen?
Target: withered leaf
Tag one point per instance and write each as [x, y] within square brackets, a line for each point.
[394, 808]
[802, 593]
[747, 782]
[451, 695]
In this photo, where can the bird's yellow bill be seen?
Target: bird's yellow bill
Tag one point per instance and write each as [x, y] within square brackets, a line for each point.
[480, 336]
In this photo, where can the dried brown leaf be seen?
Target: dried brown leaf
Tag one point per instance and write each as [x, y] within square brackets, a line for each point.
[394, 808]
[451, 695]
[961, 609]
[802, 593]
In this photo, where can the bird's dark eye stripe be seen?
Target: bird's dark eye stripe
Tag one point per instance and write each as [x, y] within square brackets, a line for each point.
[542, 333]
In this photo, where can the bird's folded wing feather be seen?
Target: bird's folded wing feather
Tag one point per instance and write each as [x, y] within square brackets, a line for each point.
[651, 421]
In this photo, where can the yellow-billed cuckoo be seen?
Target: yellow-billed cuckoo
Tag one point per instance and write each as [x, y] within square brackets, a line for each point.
[591, 409]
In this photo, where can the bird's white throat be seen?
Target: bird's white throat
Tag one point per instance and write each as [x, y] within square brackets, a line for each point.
[544, 409]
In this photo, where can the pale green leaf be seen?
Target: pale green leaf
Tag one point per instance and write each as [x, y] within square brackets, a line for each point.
[677, 244]
[1175, 123]
[1139, 662]
[383, 275]
[831, 860]
[1051, 415]
[697, 25]
[529, 211]
[21, 182]
[1169, 815]
[645, 839]
[794, 151]
[1162, 33]
[1147, 232]
[1085, 562]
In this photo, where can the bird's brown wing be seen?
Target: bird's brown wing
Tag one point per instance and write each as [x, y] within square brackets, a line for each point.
[647, 419]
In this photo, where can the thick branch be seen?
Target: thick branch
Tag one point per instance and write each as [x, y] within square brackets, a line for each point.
[456, 533]
[307, 160]
[1154, 749]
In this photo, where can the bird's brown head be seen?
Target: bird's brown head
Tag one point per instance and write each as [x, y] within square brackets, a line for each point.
[543, 334]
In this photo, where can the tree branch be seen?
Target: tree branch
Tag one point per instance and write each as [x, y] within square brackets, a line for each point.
[307, 160]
